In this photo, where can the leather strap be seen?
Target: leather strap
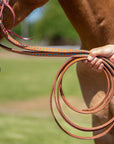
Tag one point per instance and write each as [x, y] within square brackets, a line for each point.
[76, 56]
[57, 91]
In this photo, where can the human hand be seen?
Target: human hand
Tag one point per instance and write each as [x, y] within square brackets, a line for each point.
[104, 51]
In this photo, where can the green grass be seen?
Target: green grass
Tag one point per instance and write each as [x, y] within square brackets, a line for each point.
[31, 130]
[25, 78]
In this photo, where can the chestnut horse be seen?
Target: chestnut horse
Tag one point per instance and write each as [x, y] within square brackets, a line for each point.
[93, 20]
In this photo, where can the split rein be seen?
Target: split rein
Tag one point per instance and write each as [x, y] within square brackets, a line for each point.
[57, 91]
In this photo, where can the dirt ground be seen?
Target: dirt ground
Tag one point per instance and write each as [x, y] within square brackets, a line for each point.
[36, 107]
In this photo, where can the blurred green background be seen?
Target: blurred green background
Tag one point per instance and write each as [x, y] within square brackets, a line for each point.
[25, 83]
[49, 25]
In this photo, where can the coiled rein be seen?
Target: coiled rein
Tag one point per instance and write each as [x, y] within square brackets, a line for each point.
[57, 91]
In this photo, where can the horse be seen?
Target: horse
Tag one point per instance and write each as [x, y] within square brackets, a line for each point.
[93, 21]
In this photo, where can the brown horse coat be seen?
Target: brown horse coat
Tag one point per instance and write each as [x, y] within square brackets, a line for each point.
[93, 20]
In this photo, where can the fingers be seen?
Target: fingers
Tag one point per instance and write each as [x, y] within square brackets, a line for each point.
[111, 58]
[95, 52]
[100, 68]
[95, 63]
[104, 51]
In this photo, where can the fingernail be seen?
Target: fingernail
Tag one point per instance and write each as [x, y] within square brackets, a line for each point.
[90, 58]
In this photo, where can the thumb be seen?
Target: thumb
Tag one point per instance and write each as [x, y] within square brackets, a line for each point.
[93, 53]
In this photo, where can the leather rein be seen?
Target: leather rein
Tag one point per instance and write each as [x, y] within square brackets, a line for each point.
[57, 91]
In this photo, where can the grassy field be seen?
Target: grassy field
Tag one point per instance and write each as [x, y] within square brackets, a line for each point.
[24, 78]
[25, 85]
[30, 130]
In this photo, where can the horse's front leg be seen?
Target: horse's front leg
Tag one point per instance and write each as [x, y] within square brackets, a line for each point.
[94, 86]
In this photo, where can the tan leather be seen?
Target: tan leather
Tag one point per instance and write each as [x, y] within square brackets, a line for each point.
[93, 20]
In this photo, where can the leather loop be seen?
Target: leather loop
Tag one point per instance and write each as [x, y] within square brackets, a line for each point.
[57, 89]
[76, 55]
